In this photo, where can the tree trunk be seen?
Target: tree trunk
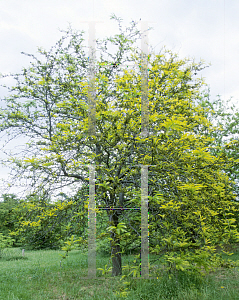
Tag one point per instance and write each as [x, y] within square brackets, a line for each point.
[115, 247]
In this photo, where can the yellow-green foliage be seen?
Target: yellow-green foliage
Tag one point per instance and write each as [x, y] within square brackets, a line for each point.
[190, 202]
[199, 212]
[36, 219]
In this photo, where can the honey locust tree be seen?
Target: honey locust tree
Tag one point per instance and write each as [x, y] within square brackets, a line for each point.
[50, 105]
[188, 186]
[38, 107]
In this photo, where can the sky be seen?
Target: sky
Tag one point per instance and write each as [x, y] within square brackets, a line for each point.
[200, 29]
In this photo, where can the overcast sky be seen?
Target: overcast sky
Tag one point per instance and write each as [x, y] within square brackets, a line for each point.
[200, 29]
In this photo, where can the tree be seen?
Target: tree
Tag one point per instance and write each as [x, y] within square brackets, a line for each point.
[9, 202]
[183, 169]
[225, 135]
[50, 230]
[227, 123]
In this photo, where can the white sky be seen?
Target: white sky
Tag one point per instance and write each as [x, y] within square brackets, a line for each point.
[201, 29]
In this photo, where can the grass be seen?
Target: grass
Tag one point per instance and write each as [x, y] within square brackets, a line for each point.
[38, 275]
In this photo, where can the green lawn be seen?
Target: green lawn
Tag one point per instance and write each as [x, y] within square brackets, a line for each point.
[39, 276]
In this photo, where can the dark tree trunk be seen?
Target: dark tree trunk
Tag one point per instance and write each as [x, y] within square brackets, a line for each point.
[115, 247]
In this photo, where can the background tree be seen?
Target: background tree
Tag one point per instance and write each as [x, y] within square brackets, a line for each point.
[6, 207]
[225, 135]
[51, 107]
[42, 227]
[227, 132]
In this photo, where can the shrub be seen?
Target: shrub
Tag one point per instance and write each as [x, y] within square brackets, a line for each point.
[5, 242]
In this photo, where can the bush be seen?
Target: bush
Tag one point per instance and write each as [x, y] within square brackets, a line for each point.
[5, 242]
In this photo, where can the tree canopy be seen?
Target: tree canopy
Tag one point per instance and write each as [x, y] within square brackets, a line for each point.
[190, 198]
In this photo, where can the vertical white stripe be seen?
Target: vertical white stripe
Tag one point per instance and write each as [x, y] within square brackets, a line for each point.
[144, 169]
[91, 128]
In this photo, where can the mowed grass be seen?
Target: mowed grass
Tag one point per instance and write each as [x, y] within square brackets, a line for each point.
[39, 276]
